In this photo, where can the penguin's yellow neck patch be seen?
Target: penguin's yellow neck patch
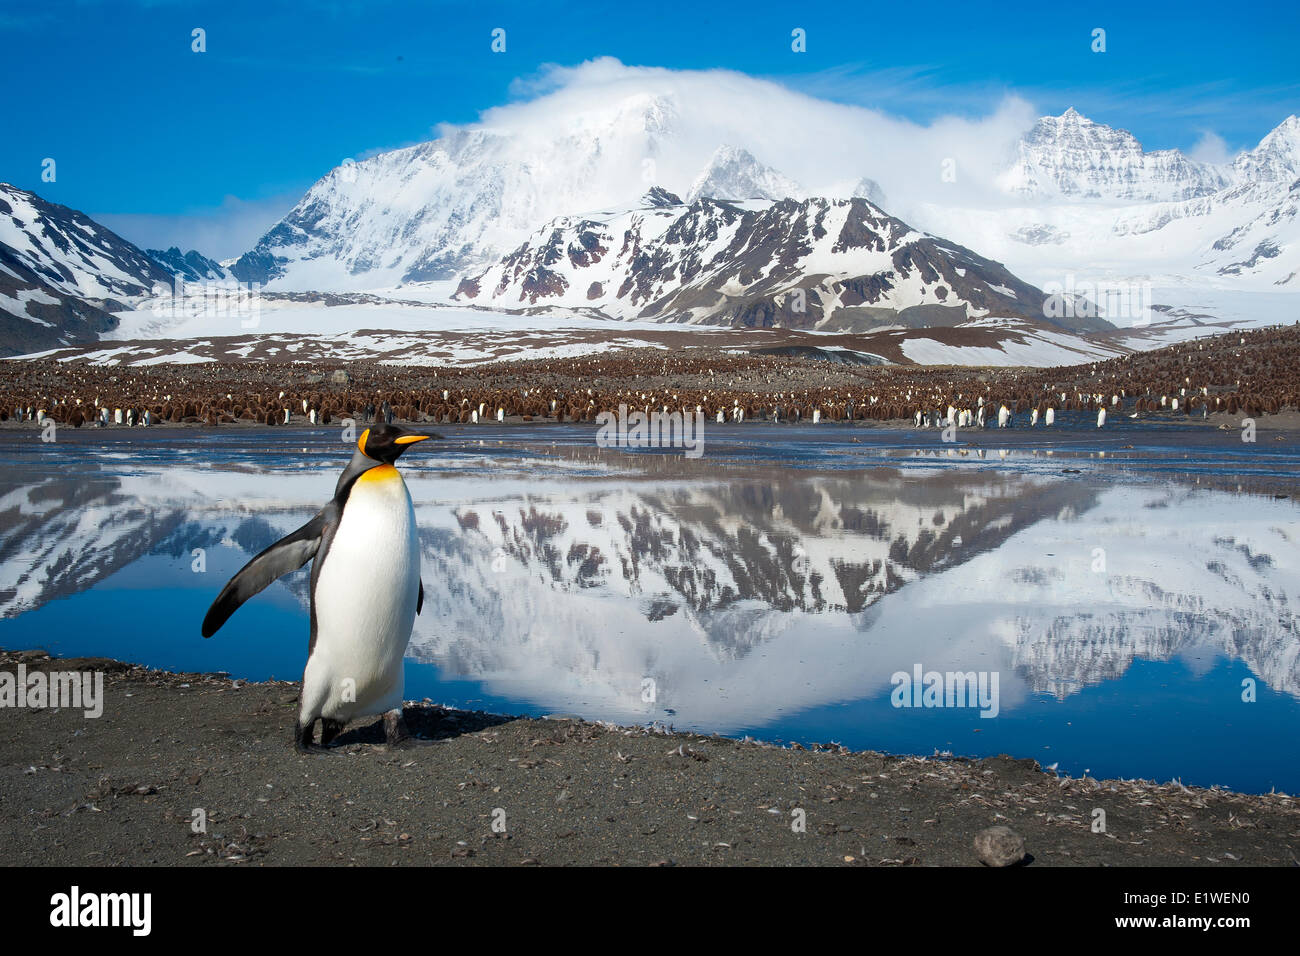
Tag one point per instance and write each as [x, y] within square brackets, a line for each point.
[379, 473]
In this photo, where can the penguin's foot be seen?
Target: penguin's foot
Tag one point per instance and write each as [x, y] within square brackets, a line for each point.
[303, 741]
[398, 735]
[329, 729]
[395, 730]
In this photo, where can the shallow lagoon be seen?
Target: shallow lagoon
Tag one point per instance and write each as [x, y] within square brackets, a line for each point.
[1126, 598]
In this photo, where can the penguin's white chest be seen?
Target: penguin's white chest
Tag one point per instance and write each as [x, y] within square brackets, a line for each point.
[365, 602]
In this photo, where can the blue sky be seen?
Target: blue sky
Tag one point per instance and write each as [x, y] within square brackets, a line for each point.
[159, 140]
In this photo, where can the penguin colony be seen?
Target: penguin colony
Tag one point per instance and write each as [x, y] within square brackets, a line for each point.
[1250, 373]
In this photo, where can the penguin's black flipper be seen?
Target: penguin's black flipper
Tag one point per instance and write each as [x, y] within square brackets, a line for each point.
[419, 603]
[287, 554]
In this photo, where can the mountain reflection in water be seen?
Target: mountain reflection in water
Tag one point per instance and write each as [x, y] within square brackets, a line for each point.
[749, 597]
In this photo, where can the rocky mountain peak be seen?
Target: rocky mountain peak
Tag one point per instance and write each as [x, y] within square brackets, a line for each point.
[1073, 157]
[191, 266]
[1276, 158]
[733, 173]
[828, 264]
[656, 197]
[869, 190]
[62, 274]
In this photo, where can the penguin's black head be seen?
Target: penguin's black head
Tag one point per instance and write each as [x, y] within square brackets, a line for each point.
[384, 443]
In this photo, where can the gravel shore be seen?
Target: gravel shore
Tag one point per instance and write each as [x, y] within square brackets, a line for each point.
[173, 751]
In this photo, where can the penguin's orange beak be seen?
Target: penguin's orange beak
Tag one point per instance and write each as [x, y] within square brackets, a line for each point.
[410, 439]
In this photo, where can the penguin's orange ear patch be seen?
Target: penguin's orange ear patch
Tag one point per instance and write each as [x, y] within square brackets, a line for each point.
[361, 442]
[408, 439]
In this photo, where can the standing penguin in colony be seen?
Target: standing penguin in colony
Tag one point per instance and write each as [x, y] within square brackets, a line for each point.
[365, 592]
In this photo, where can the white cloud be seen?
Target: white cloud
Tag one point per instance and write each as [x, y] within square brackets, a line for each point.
[824, 145]
[1211, 148]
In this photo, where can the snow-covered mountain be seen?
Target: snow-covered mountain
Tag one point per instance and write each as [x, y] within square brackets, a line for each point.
[826, 264]
[1089, 204]
[1072, 200]
[71, 252]
[869, 189]
[35, 316]
[1071, 156]
[191, 266]
[1071, 197]
[439, 209]
[1276, 159]
[1272, 234]
[734, 173]
[62, 274]
[448, 208]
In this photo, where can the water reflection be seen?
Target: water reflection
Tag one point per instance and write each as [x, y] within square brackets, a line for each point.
[745, 598]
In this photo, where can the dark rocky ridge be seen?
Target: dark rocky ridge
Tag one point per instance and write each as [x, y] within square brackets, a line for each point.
[52, 308]
[680, 276]
[193, 266]
[67, 320]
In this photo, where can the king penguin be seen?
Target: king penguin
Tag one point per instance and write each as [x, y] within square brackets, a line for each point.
[365, 592]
